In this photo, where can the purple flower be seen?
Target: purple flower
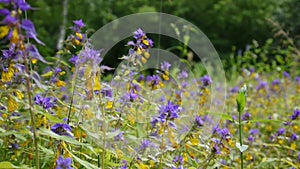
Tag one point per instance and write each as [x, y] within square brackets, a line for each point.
[34, 53]
[4, 12]
[29, 28]
[276, 82]
[296, 114]
[280, 131]
[89, 54]
[199, 121]
[14, 146]
[254, 131]
[107, 92]
[206, 80]
[246, 116]
[262, 85]
[299, 156]
[9, 20]
[78, 24]
[165, 66]
[234, 89]
[73, 59]
[131, 96]
[62, 129]
[183, 75]
[171, 109]
[297, 79]
[286, 75]
[138, 34]
[251, 138]
[223, 133]
[178, 159]
[125, 165]
[10, 53]
[140, 78]
[141, 42]
[45, 102]
[153, 80]
[294, 137]
[21, 4]
[144, 145]
[167, 112]
[119, 137]
[62, 163]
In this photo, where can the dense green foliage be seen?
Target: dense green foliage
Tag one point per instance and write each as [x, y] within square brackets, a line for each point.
[227, 23]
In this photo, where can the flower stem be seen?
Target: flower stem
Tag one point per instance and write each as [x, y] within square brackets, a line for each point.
[241, 140]
[28, 86]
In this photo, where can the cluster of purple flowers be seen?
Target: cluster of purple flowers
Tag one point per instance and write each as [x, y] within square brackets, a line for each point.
[63, 163]
[62, 129]
[199, 121]
[45, 102]
[167, 112]
[178, 160]
[262, 85]
[252, 134]
[141, 43]
[296, 114]
[205, 80]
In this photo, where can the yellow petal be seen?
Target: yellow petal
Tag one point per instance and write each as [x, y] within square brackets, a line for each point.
[15, 36]
[33, 61]
[109, 105]
[146, 42]
[12, 105]
[3, 31]
[50, 73]
[19, 94]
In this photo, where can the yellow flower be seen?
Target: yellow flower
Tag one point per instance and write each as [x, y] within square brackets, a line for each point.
[34, 61]
[60, 83]
[144, 60]
[293, 146]
[143, 166]
[15, 36]
[7, 76]
[185, 158]
[78, 35]
[109, 105]
[280, 141]
[4, 115]
[3, 31]
[194, 140]
[76, 42]
[147, 55]
[12, 105]
[145, 42]
[62, 73]
[165, 75]
[19, 94]
[249, 157]
[97, 85]
[269, 128]
[296, 128]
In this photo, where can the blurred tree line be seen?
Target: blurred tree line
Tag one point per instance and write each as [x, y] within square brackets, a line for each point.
[227, 23]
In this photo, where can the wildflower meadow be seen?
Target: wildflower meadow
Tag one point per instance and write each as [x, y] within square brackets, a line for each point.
[155, 109]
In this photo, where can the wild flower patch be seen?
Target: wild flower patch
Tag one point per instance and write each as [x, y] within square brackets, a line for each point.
[66, 115]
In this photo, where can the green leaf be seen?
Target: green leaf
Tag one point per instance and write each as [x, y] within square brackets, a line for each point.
[241, 101]
[241, 148]
[86, 164]
[58, 137]
[7, 165]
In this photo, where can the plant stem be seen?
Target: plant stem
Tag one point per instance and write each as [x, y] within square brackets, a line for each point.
[241, 140]
[28, 86]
